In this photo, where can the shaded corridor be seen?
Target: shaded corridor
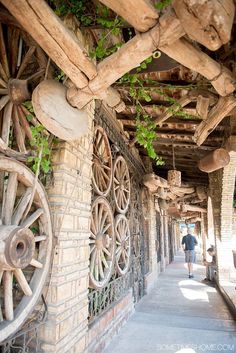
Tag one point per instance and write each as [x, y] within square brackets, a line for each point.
[179, 313]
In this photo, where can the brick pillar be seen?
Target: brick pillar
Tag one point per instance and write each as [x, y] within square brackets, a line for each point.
[225, 243]
[222, 191]
[70, 200]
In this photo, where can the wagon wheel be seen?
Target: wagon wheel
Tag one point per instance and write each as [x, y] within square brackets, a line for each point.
[102, 162]
[123, 244]
[102, 243]
[22, 66]
[121, 185]
[25, 244]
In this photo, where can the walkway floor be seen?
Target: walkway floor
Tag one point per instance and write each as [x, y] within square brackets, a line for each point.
[179, 315]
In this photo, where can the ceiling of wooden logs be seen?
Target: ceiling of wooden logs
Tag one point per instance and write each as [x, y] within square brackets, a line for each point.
[178, 136]
[178, 133]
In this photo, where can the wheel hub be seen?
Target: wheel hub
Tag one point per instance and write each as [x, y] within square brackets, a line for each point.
[19, 247]
[18, 90]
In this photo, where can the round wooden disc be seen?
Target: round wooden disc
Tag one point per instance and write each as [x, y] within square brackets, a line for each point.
[56, 114]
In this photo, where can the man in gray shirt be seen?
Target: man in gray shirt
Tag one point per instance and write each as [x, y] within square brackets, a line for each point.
[188, 244]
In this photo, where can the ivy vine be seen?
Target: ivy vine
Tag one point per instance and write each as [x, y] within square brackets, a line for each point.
[40, 144]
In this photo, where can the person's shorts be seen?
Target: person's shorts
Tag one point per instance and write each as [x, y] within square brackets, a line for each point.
[189, 256]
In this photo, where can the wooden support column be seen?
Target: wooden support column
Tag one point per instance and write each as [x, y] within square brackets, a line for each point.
[145, 14]
[215, 116]
[193, 58]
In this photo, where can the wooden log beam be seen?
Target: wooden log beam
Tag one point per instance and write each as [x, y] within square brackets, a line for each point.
[60, 44]
[215, 160]
[188, 55]
[129, 56]
[207, 22]
[186, 207]
[170, 111]
[215, 116]
[145, 14]
[153, 182]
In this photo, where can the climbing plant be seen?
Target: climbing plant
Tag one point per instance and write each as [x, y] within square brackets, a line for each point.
[40, 144]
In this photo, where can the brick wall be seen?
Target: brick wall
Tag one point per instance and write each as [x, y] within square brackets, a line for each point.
[222, 190]
[70, 200]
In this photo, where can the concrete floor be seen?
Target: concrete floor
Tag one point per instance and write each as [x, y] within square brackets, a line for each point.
[179, 315]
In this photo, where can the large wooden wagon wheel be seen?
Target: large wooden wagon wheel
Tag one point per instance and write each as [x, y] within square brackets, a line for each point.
[121, 185]
[22, 66]
[123, 244]
[102, 243]
[102, 162]
[25, 244]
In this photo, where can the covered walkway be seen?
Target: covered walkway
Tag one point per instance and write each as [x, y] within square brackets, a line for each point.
[179, 315]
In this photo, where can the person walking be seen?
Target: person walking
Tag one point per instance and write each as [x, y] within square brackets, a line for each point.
[188, 243]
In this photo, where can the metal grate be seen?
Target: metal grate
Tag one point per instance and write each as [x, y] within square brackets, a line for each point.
[99, 301]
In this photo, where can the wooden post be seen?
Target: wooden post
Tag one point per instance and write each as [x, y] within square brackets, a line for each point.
[141, 14]
[215, 116]
[215, 160]
[193, 58]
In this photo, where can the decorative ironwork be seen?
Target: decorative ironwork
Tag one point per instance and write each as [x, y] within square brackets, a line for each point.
[26, 340]
[99, 301]
[110, 127]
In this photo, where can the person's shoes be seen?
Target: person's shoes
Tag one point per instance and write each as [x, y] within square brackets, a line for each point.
[206, 280]
[191, 276]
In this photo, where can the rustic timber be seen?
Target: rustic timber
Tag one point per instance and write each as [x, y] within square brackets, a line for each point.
[185, 207]
[202, 106]
[62, 45]
[215, 160]
[153, 182]
[56, 114]
[215, 116]
[207, 22]
[188, 55]
[145, 14]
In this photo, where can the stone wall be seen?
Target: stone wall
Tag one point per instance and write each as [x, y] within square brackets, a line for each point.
[70, 200]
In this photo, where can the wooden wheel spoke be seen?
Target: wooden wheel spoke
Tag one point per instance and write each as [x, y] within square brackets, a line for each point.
[3, 101]
[103, 220]
[8, 295]
[3, 73]
[102, 162]
[93, 226]
[107, 252]
[25, 61]
[40, 238]
[3, 53]
[9, 198]
[122, 232]
[7, 122]
[104, 261]
[92, 260]
[100, 215]
[32, 218]
[21, 207]
[3, 83]
[104, 230]
[36, 263]
[92, 235]
[101, 272]
[20, 139]
[24, 123]
[22, 282]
